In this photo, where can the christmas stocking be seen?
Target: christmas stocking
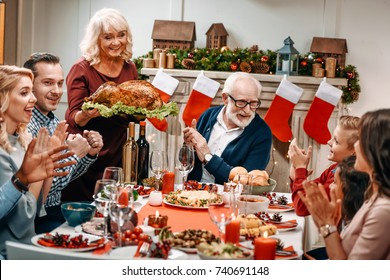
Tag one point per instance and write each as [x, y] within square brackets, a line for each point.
[202, 94]
[278, 114]
[166, 86]
[316, 121]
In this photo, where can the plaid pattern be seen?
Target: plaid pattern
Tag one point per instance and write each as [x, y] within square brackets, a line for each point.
[50, 121]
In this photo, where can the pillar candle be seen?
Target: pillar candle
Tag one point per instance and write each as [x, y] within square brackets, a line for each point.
[330, 67]
[170, 61]
[265, 248]
[168, 182]
[148, 63]
[315, 66]
[232, 232]
[163, 60]
[156, 57]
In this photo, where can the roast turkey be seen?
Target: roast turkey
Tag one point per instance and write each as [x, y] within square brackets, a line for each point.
[135, 93]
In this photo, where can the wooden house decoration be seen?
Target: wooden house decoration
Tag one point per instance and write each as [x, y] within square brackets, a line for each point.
[216, 36]
[330, 47]
[173, 34]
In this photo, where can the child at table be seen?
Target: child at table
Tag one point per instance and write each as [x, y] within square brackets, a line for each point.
[341, 145]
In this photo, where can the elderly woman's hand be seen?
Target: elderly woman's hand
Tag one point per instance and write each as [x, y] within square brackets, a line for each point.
[95, 140]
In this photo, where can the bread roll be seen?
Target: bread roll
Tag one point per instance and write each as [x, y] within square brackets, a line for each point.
[238, 170]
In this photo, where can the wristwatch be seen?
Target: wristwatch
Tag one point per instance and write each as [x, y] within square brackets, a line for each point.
[17, 183]
[327, 230]
[207, 158]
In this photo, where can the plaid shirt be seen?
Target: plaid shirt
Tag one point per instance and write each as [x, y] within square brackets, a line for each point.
[50, 121]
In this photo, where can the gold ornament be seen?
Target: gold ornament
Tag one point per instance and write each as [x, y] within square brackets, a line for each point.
[224, 48]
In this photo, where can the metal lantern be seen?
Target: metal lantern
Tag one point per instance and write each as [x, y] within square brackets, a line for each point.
[287, 60]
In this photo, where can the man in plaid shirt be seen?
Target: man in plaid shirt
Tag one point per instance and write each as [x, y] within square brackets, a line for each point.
[47, 88]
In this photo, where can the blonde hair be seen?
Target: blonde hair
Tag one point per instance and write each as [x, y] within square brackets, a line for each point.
[100, 23]
[350, 123]
[9, 78]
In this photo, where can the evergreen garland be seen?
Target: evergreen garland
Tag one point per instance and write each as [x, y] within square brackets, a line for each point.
[225, 59]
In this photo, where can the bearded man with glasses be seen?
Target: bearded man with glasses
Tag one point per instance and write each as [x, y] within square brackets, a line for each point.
[230, 135]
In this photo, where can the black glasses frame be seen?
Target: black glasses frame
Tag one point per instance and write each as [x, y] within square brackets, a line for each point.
[252, 104]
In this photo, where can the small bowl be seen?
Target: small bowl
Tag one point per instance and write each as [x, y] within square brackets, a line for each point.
[76, 213]
[250, 204]
[260, 190]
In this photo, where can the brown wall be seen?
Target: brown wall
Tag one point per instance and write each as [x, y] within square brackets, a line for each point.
[10, 38]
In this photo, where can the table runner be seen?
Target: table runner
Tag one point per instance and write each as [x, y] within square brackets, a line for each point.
[180, 219]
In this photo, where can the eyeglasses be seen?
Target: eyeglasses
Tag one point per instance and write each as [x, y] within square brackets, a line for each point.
[243, 103]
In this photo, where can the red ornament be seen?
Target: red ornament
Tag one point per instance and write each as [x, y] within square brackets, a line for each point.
[319, 60]
[350, 75]
[190, 55]
[234, 66]
[303, 63]
[264, 58]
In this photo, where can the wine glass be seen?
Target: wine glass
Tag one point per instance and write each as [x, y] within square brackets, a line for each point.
[114, 173]
[185, 160]
[220, 213]
[245, 189]
[158, 165]
[102, 199]
[121, 206]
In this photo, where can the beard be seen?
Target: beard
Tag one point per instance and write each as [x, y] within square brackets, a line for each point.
[233, 116]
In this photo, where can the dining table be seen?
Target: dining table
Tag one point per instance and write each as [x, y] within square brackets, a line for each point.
[182, 218]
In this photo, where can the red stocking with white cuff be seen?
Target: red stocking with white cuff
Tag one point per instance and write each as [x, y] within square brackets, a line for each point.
[278, 115]
[316, 121]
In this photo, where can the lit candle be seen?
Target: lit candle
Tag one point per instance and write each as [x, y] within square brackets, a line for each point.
[232, 232]
[157, 221]
[265, 248]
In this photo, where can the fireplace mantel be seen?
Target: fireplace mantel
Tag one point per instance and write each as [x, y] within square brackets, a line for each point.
[279, 164]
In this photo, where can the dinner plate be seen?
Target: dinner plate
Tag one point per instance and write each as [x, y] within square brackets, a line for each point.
[128, 252]
[286, 228]
[34, 241]
[285, 208]
[184, 207]
[220, 187]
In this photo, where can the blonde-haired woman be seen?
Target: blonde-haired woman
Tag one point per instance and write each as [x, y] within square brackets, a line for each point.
[16, 104]
[106, 53]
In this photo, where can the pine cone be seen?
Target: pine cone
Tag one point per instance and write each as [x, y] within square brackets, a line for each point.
[188, 63]
[245, 67]
[254, 48]
[260, 67]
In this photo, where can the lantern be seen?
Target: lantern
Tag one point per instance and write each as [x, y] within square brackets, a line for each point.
[287, 60]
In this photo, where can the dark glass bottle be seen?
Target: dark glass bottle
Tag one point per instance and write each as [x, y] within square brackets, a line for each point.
[143, 153]
[130, 157]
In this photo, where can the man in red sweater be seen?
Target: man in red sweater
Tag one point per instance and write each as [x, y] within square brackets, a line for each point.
[341, 145]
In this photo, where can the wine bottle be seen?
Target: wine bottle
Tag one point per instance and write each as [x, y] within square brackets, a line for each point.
[130, 157]
[143, 154]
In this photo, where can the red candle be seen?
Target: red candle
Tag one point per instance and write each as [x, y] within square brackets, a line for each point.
[232, 232]
[168, 182]
[265, 248]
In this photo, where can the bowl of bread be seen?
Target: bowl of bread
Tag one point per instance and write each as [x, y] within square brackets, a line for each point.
[261, 182]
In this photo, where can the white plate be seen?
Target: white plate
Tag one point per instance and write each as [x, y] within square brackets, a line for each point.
[286, 229]
[274, 210]
[185, 207]
[203, 256]
[34, 240]
[128, 252]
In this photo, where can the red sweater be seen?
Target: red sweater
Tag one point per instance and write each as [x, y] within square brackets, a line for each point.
[326, 178]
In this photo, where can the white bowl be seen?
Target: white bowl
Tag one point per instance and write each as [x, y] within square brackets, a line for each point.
[250, 204]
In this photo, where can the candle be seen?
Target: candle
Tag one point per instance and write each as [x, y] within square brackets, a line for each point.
[156, 56]
[330, 67]
[265, 248]
[232, 232]
[157, 222]
[162, 60]
[155, 198]
[168, 182]
[148, 63]
[170, 61]
[285, 65]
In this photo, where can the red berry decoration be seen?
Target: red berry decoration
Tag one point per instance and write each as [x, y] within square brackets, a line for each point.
[264, 58]
[190, 55]
[234, 66]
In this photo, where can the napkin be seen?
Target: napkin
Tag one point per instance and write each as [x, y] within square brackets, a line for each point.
[289, 248]
[105, 249]
[287, 224]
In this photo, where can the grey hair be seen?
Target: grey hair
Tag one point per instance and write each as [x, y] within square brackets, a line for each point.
[233, 78]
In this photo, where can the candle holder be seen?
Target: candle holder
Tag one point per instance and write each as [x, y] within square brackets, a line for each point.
[157, 222]
[155, 198]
